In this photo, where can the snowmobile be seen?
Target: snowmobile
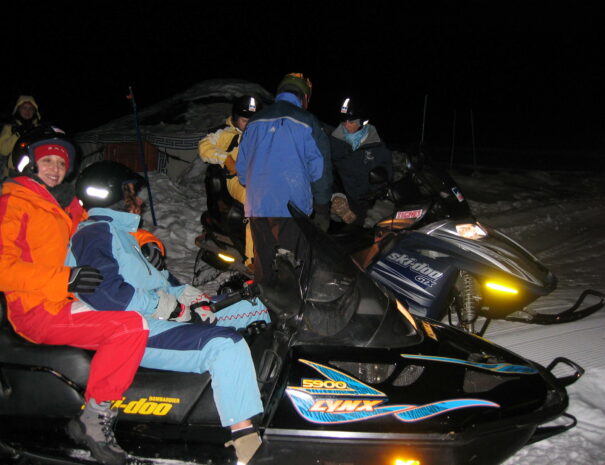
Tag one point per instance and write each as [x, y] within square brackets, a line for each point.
[434, 255]
[430, 250]
[347, 376]
[222, 240]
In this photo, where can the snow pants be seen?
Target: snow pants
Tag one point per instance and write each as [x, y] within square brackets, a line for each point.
[118, 339]
[219, 350]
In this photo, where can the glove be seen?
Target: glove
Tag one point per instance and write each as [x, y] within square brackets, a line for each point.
[153, 254]
[194, 306]
[203, 315]
[340, 208]
[16, 130]
[230, 165]
[321, 217]
[84, 280]
[167, 306]
[192, 295]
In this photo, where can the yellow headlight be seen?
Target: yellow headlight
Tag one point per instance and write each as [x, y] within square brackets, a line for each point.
[226, 258]
[406, 462]
[501, 288]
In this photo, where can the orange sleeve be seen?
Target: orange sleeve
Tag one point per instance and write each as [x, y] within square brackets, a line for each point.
[143, 237]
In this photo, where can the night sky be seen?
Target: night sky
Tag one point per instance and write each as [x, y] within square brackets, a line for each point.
[531, 71]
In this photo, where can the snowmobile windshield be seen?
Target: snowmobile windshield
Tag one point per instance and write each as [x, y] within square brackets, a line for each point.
[342, 305]
[433, 186]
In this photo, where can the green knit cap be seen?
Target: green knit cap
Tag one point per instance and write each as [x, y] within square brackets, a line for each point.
[297, 80]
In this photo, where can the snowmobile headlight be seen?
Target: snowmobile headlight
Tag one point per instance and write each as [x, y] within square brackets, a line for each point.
[501, 288]
[471, 231]
[226, 258]
[399, 461]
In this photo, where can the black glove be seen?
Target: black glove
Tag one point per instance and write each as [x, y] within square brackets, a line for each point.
[16, 130]
[321, 216]
[153, 254]
[84, 280]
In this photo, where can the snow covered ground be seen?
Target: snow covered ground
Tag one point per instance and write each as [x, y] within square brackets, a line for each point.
[559, 216]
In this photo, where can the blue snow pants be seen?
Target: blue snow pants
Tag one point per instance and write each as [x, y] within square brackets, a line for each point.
[219, 350]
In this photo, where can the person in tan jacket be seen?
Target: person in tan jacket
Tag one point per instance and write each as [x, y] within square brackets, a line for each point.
[221, 147]
[25, 117]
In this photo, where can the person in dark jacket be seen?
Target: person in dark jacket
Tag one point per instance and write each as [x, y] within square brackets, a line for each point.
[356, 148]
[284, 157]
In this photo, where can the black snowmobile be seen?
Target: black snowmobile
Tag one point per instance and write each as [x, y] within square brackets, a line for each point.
[347, 376]
[222, 240]
[434, 255]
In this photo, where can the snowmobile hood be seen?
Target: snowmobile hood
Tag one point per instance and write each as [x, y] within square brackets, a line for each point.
[494, 250]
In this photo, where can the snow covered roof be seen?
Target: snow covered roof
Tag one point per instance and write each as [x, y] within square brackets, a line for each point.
[182, 120]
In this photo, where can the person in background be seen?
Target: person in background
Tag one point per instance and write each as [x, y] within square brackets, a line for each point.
[220, 146]
[356, 149]
[284, 156]
[108, 190]
[25, 117]
[38, 215]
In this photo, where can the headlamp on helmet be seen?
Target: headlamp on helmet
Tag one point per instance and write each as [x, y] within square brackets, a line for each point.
[245, 106]
[351, 112]
[40, 142]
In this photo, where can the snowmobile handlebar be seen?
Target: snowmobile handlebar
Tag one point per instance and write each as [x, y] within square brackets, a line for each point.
[248, 292]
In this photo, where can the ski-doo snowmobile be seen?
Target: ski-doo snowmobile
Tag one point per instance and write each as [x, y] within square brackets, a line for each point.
[346, 373]
[437, 258]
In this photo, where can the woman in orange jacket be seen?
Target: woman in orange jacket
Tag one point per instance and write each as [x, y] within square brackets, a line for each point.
[38, 214]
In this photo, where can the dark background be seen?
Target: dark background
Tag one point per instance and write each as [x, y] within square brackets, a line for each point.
[531, 71]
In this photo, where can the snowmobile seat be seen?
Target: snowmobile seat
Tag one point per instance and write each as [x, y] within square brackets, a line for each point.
[14, 350]
[25, 368]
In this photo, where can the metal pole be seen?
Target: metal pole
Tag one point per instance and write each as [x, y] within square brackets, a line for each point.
[473, 137]
[426, 96]
[142, 152]
[453, 141]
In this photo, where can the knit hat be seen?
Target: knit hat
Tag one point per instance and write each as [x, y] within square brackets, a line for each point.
[297, 81]
[46, 150]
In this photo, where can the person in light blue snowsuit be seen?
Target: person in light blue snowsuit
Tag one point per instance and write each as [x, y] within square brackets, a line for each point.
[130, 282]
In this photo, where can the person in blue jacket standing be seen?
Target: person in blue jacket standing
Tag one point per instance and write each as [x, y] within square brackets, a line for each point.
[284, 156]
[108, 190]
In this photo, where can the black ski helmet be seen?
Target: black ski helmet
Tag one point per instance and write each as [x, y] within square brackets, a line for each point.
[23, 158]
[350, 111]
[101, 184]
[245, 106]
